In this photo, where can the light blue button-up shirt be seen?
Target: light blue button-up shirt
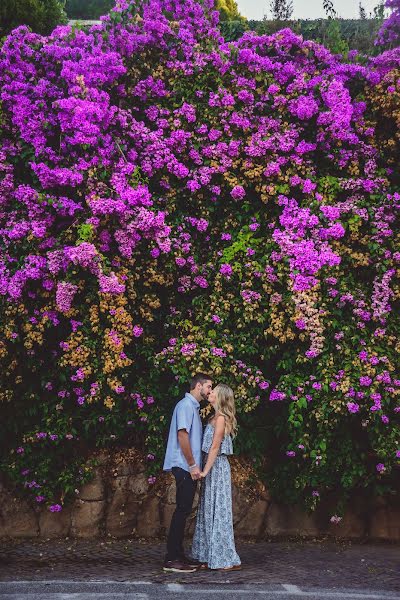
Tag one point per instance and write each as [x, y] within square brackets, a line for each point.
[185, 416]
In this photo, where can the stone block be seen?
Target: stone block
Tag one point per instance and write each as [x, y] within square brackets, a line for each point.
[94, 489]
[149, 522]
[289, 520]
[385, 524]
[54, 525]
[17, 518]
[87, 518]
[122, 514]
[251, 525]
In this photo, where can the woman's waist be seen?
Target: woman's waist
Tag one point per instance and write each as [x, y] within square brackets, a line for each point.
[206, 452]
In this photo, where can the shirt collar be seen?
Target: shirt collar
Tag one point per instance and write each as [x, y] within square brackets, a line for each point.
[193, 399]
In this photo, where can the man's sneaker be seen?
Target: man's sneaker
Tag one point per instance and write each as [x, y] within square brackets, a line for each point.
[177, 566]
[191, 562]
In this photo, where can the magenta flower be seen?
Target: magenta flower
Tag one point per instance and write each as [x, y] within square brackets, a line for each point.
[226, 270]
[218, 352]
[276, 395]
[238, 192]
[55, 508]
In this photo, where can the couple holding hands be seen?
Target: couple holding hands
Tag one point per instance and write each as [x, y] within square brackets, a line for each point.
[191, 455]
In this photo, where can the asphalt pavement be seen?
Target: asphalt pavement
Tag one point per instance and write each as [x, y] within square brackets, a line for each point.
[108, 569]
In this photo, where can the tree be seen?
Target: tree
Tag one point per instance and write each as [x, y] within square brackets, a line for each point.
[379, 11]
[281, 10]
[329, 9]
[362, 11]
[228, 10]
[40, 15]
[91, 9]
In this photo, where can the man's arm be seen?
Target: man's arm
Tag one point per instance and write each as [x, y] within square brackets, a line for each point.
[184, 442]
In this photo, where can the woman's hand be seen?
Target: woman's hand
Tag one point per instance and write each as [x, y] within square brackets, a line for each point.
[203, 474]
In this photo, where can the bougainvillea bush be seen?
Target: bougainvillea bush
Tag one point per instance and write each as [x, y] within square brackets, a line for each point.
[172, 203]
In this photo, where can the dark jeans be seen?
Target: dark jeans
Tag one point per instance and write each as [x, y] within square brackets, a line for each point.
[185, 491]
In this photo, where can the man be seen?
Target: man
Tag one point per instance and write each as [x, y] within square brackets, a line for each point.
[183, 458]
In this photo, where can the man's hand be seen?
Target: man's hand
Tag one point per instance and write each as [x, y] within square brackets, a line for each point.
[195, 473]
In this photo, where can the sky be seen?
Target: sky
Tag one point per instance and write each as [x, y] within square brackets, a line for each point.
[306, 9]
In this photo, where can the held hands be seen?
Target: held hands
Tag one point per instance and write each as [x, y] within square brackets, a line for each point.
[195, 473]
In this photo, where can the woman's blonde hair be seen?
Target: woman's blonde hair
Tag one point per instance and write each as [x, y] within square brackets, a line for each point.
[225, 406]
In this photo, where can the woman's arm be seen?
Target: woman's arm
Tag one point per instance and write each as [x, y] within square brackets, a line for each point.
[219, 432]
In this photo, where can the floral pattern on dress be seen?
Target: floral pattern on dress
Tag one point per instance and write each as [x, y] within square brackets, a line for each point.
[213, 540]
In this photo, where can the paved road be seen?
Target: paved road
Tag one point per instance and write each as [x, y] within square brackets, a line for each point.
[144, 590]
[104, 569]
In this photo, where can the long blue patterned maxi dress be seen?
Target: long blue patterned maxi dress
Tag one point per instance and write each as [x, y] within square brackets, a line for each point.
[213, 540]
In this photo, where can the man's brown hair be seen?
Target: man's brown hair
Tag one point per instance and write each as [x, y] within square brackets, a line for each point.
[199, 378]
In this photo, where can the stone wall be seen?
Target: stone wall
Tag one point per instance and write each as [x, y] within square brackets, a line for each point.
[120, 502]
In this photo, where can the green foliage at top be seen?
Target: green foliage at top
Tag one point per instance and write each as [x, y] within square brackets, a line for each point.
[40, 15]
[91, 9]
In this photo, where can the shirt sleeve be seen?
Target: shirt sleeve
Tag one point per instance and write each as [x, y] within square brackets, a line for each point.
[184, 417]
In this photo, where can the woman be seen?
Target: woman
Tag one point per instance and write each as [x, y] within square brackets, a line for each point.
[213, 541]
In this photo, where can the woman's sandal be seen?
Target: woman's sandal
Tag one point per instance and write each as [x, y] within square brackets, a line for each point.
[202, 567]
[234, 568]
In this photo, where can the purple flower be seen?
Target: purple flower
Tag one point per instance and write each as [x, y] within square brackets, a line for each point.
[226, 270]
[238, 192]
[218, 352]
[277, 395]
[55, 508]
[365, 381]
[353, 407]
[188, 349]
[64, 295]
[290, 453]
[380, 467]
